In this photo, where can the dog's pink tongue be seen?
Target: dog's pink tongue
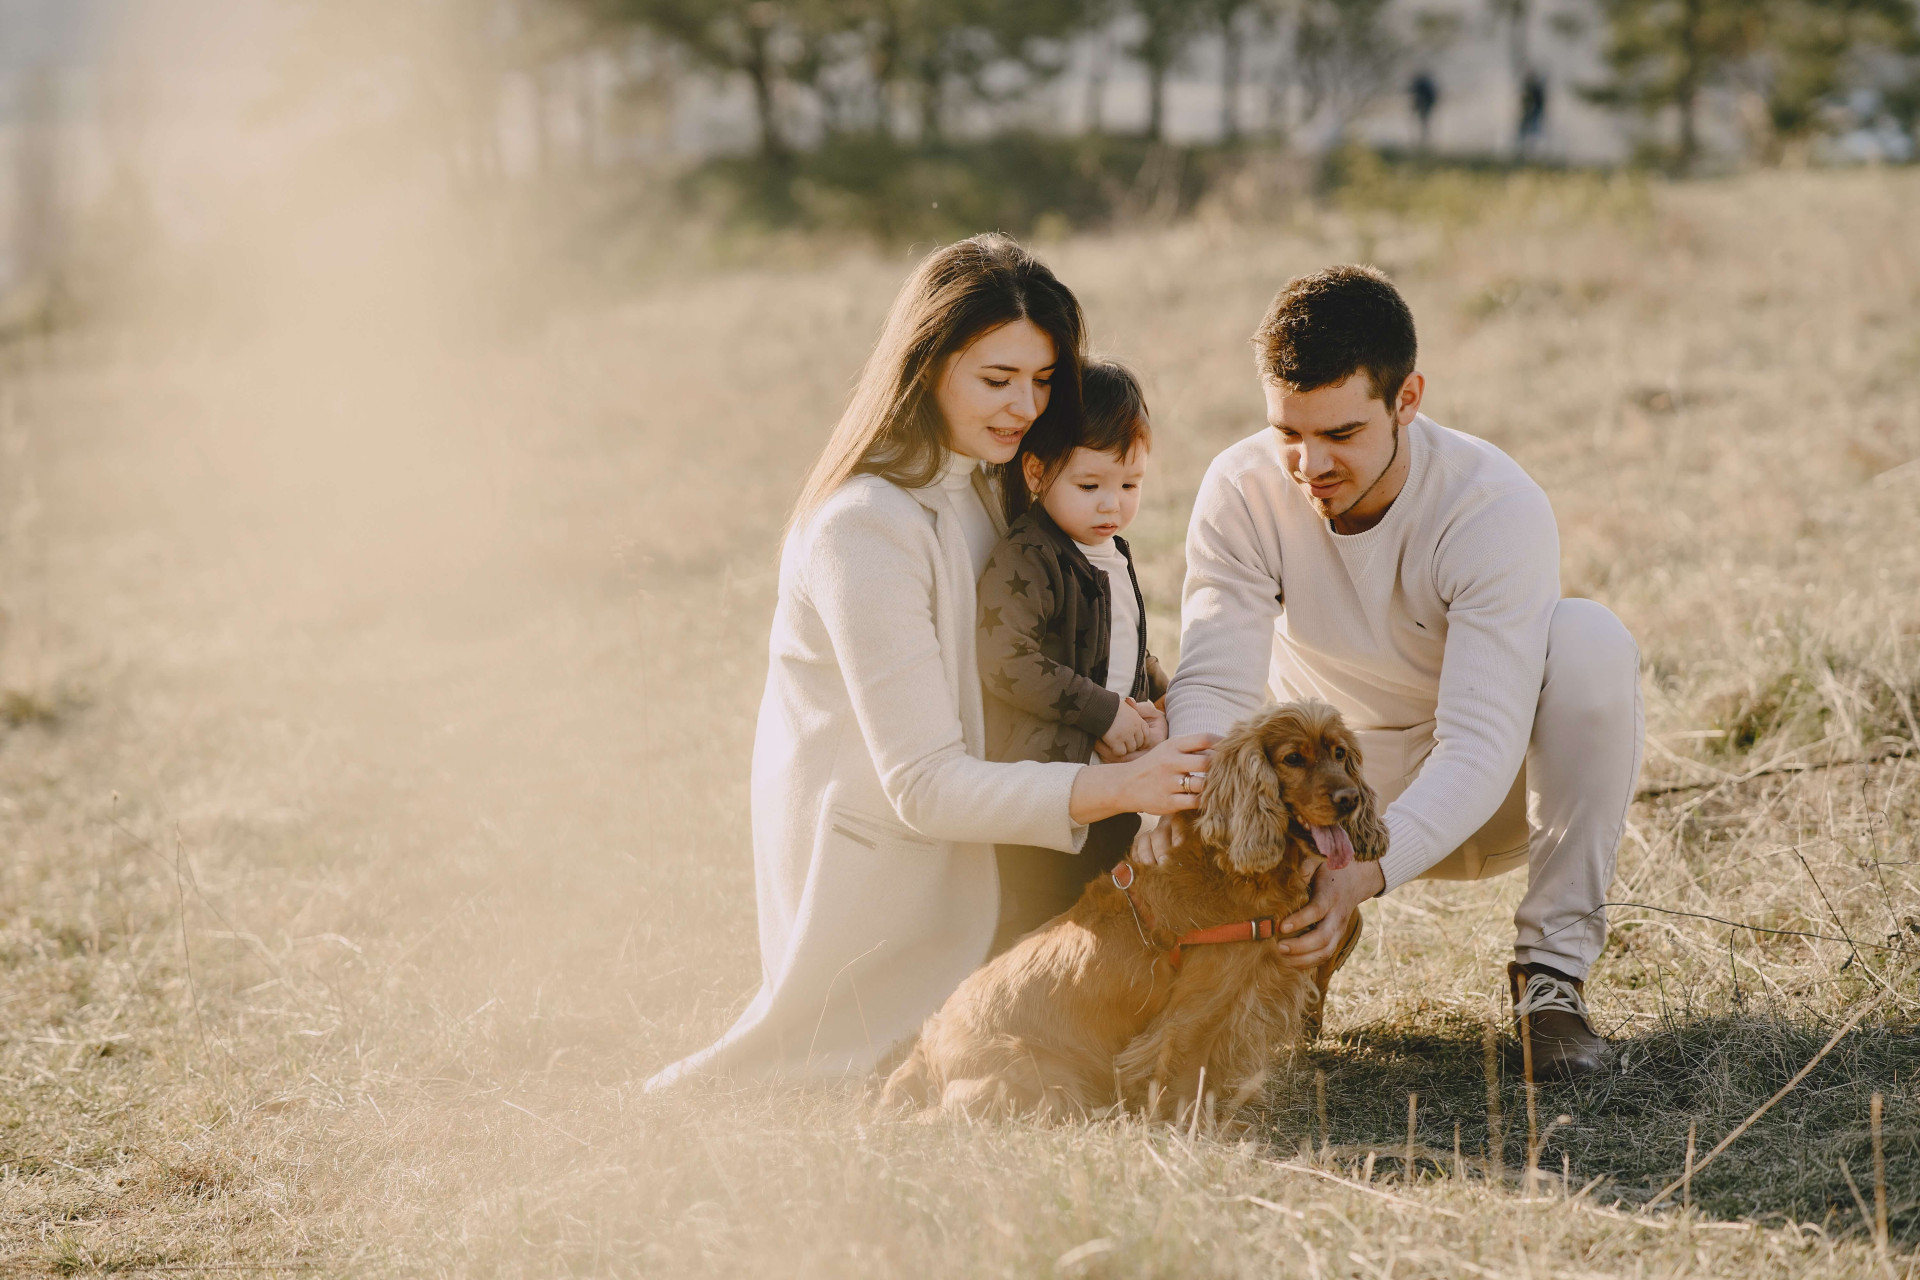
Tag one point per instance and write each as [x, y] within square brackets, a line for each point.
[1334, 845]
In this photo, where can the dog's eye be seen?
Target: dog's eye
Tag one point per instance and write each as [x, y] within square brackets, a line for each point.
[1339, 753]
[1294, 760]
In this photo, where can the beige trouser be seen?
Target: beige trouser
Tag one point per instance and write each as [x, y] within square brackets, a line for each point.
[1563, 817]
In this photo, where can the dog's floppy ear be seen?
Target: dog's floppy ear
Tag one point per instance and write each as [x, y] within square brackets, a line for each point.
[1364, 828]
[1241, 810]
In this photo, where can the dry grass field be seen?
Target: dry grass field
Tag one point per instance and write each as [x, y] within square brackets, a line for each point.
[379, 674]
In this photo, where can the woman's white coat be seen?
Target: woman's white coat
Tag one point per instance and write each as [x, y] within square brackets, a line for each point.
[874, 816]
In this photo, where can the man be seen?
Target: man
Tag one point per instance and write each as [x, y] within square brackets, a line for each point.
[1358, 552]
[1533, 114]
[1425, 91]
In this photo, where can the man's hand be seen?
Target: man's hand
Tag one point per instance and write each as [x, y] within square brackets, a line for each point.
[1156, 717]
[1154, 844]
[1334, 897]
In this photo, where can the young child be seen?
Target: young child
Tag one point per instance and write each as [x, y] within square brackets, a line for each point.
[1063, 640]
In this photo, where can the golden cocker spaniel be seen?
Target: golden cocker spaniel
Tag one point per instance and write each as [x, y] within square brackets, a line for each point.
[1160, 973]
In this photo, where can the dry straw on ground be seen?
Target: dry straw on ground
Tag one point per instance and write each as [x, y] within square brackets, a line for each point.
[373, 759]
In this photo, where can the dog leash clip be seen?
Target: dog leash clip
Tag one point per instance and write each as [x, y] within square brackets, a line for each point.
[1126, 891]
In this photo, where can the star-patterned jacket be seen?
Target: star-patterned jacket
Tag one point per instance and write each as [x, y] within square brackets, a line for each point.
[1046, 618]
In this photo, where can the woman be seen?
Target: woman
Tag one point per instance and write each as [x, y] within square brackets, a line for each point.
[874, 815]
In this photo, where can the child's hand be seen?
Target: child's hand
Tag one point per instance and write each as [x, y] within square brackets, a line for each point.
[1127, 734]
[1156, 717]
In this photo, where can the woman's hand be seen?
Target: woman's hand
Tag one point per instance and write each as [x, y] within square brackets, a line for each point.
[1165, 780]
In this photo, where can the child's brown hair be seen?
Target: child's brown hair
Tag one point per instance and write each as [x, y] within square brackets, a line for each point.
[1113, 419]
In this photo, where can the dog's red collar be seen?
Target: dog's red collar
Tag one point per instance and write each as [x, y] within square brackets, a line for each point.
[1256, 930]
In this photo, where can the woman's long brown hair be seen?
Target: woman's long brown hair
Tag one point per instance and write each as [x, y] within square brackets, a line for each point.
[892, 427]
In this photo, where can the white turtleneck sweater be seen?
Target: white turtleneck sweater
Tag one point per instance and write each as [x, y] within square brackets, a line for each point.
[963, 496]
[1432, 625]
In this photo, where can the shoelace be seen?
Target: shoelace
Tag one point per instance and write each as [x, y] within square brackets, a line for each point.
[1545, 992]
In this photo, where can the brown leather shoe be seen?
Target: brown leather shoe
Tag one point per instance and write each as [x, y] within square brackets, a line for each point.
[1565, 1044]
[1324, 974]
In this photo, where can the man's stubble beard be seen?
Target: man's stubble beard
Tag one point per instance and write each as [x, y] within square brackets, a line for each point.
[1373, 484]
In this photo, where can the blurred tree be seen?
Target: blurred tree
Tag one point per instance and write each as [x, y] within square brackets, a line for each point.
[1817, 54]
[1348, 55]
[1664, 53]
[483, 45]
[1239, 23]
[913, 46]
[1166, 28]
[770, 42]
[921, 52]
[1517, 17]
[1800, 58]
[1096, 16]
[1899, 100]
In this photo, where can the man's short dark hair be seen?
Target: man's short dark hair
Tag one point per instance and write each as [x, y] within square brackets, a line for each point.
[1325, 327]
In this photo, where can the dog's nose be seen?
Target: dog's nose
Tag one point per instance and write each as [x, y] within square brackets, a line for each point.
[1345, 799]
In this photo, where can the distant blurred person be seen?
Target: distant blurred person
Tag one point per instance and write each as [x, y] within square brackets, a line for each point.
[1356, 551]
[1533, 113]
[874, 809]
[1063, 629]
[1425, 92]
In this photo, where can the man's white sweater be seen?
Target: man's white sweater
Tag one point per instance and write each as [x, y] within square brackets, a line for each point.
[1437, 615]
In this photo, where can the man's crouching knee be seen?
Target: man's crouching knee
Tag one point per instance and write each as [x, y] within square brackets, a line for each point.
[1593, 664]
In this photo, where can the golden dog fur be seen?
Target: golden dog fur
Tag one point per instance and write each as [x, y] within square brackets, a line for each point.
[1082, 1013]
